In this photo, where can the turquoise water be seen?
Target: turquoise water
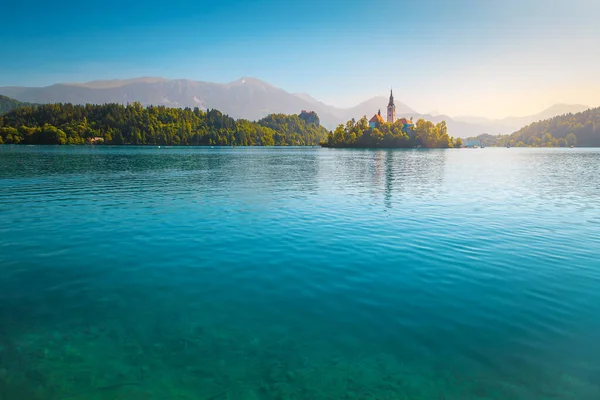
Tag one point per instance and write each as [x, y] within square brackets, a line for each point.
[299, 273]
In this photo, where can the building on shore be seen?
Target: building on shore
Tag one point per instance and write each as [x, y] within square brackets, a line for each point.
[96, 140]
[310, 117]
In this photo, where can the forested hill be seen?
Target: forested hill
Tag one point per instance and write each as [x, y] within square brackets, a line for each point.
[581, 129]
[585, 126]
[153, 125]
[7, 104]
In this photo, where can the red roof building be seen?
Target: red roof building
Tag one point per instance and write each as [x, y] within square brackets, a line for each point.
[377, 120]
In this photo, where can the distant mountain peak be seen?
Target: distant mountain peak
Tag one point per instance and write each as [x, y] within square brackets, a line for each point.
[115, 83]
[307, 97]
[380, 102]
[562, 108]
[247, 80]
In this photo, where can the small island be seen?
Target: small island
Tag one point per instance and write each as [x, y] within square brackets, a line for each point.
[391, 134]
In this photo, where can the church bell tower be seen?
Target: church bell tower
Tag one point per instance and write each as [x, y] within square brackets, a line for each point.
[391, 109]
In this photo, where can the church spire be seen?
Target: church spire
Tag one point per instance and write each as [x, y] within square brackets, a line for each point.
[391, 109]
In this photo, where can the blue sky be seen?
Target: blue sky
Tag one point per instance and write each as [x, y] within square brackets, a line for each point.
[477, 57]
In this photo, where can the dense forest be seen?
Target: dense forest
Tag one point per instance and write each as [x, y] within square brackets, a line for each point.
[424, 133]
[153, 125]
[581, 129]
[7, 104]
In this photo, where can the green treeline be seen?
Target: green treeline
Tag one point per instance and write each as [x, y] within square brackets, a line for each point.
[153, 125]
[581, 129]
[360, 135]
[7, 104]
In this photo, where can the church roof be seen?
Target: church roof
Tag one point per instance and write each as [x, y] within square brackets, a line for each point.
[377, 118]
[405, 121]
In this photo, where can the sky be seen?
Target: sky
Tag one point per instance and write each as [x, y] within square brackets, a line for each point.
[485, 58]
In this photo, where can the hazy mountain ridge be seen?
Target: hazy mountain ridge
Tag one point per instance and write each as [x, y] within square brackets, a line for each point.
[251, 99]
[570, 129]
[512, 124]
[245, 98]
[113, 83]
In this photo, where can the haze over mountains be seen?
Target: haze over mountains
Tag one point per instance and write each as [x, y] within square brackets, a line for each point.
[253, 99]
[515, 123]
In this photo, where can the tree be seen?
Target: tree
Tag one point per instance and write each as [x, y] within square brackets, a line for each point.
[134, 124]
[49, 134]
[118, 138]
[582, 129]
[8, 131]
[338, 135]
[376, 137]
[391, 135]
[426, 133]
[442, 128]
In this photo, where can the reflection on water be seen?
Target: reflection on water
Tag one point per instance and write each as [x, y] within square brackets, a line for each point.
[295, 273]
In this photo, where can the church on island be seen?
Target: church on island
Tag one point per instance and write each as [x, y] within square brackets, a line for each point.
[378, 120]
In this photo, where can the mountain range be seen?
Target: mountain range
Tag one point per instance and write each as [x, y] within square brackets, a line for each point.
[512, 124]
[253, 99]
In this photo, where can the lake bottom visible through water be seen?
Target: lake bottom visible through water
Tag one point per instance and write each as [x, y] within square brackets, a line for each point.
[299, 273]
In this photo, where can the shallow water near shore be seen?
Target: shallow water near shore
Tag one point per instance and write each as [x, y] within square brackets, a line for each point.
[299, 273]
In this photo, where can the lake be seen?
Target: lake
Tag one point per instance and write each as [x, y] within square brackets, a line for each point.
[299, 273]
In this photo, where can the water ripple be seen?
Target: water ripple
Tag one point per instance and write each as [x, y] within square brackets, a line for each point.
[299, 273]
